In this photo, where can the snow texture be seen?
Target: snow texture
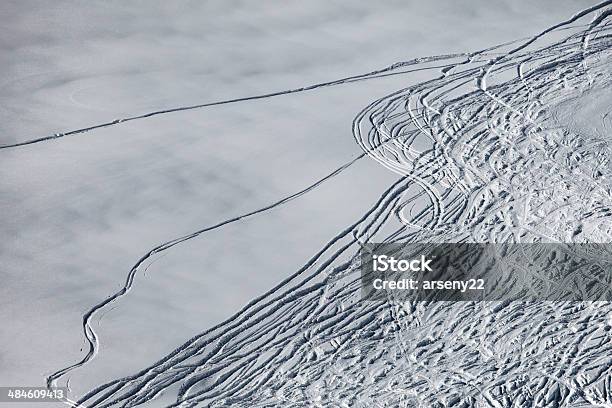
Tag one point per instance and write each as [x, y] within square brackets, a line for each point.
[503, 144]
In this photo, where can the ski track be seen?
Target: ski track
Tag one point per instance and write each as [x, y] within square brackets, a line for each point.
[485, 152]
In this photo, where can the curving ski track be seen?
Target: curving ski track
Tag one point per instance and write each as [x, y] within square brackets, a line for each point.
[491, 149]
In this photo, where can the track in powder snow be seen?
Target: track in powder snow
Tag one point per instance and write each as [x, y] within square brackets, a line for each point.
[485, 152]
